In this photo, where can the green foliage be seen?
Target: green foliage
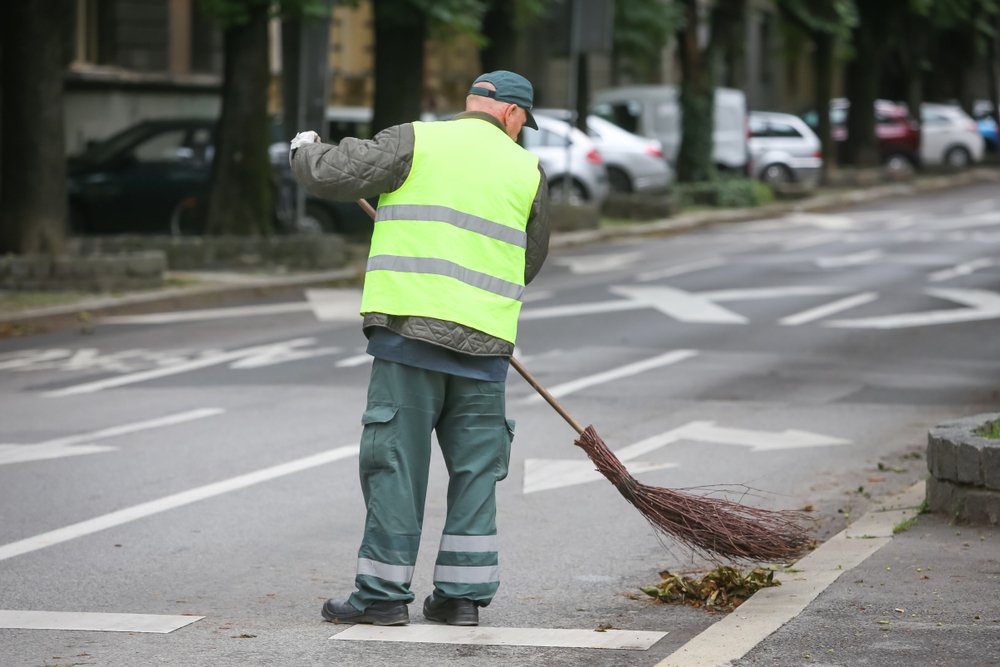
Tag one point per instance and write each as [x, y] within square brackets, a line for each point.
[724, 588]
[725, 192]
[225, 13]
[990, 430]
[641, 30]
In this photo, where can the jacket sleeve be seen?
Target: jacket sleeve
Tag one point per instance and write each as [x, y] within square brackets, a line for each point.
[537, 230]
[355, 168]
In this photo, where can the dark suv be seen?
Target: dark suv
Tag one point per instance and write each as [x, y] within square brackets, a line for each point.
[153, 178]
[897, 135]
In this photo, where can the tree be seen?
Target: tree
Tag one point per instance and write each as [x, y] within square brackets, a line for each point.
[827, 24]
[32, 161]
[641, 30]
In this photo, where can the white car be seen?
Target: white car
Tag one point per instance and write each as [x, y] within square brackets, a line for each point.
[635, 164]
[572, 164]
[948, 137]
[783, 149]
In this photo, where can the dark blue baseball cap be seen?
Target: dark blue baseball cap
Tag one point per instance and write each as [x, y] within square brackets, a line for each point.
[510, 87]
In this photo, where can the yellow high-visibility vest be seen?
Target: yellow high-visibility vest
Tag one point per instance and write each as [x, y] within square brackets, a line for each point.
[450, 242]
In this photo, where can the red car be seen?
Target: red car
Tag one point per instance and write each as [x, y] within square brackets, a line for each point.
[897, 134]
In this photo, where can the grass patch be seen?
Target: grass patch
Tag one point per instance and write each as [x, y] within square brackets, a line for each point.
[904, 525]
[722, 589]
[16, 302]
[990, 430]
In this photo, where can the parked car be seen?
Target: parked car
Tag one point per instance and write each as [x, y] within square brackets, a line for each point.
[153, 178]
[654, 112]
[570, 160]
[986, 124]
[783, 149]
[896, 134]
[634, 163]
[949, 137]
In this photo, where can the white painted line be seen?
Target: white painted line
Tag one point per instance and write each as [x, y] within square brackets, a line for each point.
[209, 314]
[828, 309]
[958, 270]
[672, 357]
[143, 510]
[331, 305]
[681, 269]
[979, 206]
[983, 305]
[765, 293]
[810, 242]
[865, 257]
[633, 640]
[586, 264]
[770, 608]
[70, 445]
[356, 360]
[81, 620]
[205, 362]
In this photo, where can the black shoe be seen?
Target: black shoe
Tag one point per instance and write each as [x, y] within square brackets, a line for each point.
[378, 613]
[453, 611]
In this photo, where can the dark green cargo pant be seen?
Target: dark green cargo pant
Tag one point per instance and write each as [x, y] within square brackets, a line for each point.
[405, 405]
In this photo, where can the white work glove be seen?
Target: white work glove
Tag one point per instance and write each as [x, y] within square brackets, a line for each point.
[302, 138]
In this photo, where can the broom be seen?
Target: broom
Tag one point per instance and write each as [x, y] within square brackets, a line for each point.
[707, 525]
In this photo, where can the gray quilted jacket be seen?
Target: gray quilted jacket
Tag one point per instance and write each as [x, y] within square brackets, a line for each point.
[358, 168]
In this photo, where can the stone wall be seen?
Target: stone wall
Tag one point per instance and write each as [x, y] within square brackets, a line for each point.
[99, 273]
[965, 470]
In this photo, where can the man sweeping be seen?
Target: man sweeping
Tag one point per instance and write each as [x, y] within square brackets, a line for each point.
[461, 227]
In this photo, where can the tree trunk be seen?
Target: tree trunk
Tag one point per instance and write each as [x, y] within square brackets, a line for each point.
[823, 57]
[861, 148]
[33, 148]
[729, 22]
[501, 38]
[697, 102]
[241, 187]
[993, 75]
[400, 30]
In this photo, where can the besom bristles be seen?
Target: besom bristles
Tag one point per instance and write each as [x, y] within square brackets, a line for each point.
[705, 524]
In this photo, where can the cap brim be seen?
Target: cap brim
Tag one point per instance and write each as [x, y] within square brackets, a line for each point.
[530, 122]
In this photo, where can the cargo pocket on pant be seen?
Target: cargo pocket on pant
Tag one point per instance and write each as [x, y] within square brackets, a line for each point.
[379, 438]
[503, 463]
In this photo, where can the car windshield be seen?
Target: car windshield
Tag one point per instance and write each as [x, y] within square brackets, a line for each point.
[116, 143]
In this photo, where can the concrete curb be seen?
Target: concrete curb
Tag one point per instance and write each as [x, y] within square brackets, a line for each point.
[965, 470]
[770, 608]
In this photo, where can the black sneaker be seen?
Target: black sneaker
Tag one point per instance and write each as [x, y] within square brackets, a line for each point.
[453, 611]
[378, 613]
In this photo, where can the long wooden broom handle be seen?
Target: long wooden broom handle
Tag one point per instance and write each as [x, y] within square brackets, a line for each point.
[529, 378]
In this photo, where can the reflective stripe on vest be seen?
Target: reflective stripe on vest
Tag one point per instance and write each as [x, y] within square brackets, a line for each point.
[450, 242]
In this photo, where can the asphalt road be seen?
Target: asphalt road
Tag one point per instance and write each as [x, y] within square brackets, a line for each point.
[203, 466]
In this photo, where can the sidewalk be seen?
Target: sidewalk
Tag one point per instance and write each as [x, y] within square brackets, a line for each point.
[895, 589]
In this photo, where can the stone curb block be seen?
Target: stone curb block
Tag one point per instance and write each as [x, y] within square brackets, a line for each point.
[965, 470]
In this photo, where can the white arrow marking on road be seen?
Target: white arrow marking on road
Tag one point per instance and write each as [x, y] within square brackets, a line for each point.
[983, 305]
[680, 305]
[828, 309]
[70, 445]
[765, 293]
[680, 269]
[958, 270]
[856, 259]
[545, 474]
[211, 360]
[831, 222]
[567, 388]
[758, 441]
[599, 263]
[331, 305]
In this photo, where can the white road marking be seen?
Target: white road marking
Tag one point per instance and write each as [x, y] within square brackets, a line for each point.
[828, 309]
[330, 305]
[810, 241]
[770, 608]
[758, 441]
[750, 294]
[980, 220]
[599, 263]
[70, 445]
[90, 621]
[958, 270]
[356, 360]
[209, 314]
[634, 640]
[665, 359]
[855, 259]
[983, 305]
[681, 269]
[680, 305]
[170, 502]
[979, 206]
[547, 474]
[258, 351]
[822, 221]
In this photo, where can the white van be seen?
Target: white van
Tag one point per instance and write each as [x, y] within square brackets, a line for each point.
[654, 112]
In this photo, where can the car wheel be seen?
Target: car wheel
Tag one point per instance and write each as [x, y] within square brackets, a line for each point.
[897, 163]
[776, 174]
[619, 180]
[567, 192]
[957, 157]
